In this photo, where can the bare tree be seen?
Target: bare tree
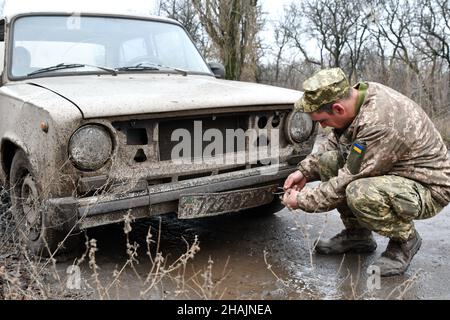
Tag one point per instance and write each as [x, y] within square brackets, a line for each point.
[434, 28]
[281, 42]
[414, 34]
[295, 25]
[395, 27]
[232, 26]
[337, 26]
[403, 44]
[433, 42]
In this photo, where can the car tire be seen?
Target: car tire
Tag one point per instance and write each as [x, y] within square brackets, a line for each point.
[32, 220]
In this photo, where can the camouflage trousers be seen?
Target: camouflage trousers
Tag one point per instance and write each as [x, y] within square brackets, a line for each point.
[386, 204]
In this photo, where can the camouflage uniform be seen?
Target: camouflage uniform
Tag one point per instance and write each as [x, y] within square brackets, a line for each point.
[389, 167]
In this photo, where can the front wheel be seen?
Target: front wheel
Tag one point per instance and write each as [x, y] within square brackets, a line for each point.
[32, 221]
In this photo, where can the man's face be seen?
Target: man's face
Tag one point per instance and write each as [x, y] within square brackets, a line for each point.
[325, 119]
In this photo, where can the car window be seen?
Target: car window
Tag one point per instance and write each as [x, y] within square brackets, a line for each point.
[45, 41]
[39, 53]
[175, 57]
[132, 49]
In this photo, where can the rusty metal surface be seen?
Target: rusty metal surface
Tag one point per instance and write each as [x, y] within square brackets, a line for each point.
[160, 199]
[211, 204]
[98, 205]
[89, 222]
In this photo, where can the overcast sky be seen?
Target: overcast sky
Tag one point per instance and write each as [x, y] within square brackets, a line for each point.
[143, 6]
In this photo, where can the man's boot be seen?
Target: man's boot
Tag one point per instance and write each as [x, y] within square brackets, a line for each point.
[348, 240]
[398, 255]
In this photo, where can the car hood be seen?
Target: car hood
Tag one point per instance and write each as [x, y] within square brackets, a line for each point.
[125, 94]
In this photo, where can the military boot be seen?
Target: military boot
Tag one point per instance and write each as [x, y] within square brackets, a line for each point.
[348, 240]
[398, 255]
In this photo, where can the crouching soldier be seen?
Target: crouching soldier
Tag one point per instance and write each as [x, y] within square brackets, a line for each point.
[383, 166]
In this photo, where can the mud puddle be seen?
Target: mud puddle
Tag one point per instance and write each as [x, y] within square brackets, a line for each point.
[246, 256]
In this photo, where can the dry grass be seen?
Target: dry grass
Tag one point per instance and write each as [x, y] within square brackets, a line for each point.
[23, 277]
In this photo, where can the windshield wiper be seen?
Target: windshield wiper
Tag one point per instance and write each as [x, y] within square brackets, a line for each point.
[137, 67]
[144, 66]
[180, 71]
[62, 66]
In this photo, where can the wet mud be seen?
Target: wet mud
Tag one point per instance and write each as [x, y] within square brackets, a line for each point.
[252, 256]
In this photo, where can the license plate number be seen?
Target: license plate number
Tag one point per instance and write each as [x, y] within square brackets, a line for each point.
[211, 204]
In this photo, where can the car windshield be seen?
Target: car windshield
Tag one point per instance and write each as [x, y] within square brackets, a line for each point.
[47, 42]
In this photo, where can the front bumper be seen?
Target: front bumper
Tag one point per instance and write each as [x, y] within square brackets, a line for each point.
[157, 199]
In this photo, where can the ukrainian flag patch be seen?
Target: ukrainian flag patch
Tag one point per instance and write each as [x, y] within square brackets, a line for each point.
[356, 156]
[358, 148]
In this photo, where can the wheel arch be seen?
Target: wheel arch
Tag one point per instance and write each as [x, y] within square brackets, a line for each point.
[8, 150]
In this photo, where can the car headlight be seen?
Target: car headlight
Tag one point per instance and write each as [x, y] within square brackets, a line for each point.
[299, 127]
[90, 147]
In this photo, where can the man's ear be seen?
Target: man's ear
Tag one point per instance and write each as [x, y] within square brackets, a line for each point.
[338, 108]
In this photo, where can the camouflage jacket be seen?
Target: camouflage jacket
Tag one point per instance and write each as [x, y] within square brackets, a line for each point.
[398, 138]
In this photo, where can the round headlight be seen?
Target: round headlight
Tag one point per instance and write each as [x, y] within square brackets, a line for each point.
[299, 127]
[90, 147]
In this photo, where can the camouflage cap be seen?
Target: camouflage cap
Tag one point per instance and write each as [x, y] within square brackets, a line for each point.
[325, 86]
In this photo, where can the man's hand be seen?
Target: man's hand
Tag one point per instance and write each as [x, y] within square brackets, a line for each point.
[290, 199]
[295, 181]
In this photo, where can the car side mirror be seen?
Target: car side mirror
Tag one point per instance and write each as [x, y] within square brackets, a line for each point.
[218, 69]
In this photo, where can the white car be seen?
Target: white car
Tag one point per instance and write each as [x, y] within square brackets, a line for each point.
[102, 114]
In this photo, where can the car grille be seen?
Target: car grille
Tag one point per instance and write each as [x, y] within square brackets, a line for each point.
[152, 140]
[196, 127]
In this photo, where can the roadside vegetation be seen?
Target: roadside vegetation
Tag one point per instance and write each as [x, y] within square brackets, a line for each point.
[27, 277]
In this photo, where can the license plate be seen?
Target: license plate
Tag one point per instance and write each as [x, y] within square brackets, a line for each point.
[212, 204]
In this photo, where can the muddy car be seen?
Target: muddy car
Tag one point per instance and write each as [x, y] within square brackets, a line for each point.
[104, 115]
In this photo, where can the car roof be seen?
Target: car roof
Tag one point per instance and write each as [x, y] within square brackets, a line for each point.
[12, 8]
